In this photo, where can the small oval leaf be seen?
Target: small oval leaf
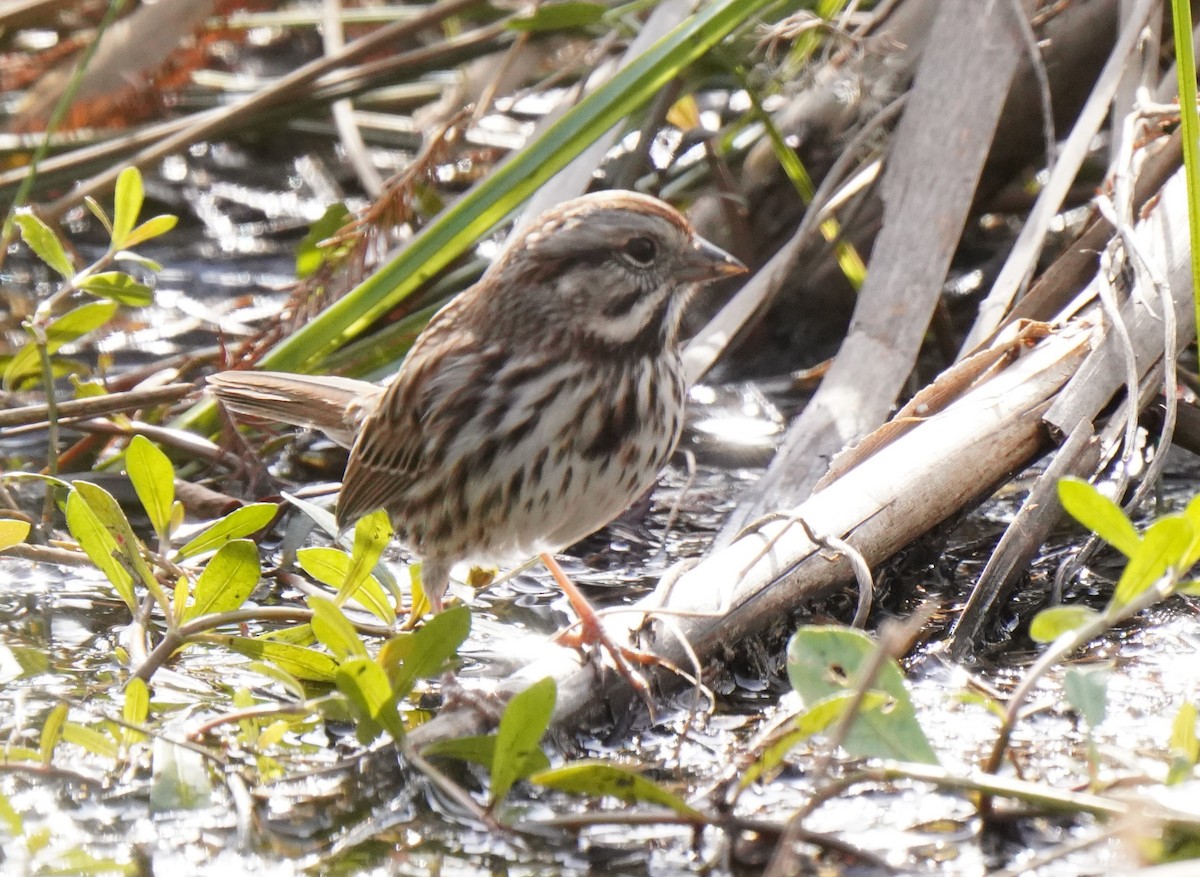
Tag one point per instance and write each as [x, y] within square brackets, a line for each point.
[44, 242]
[76, 323]
[424, 653]
[1087, 693]
[95, 742]
[365, 684]
[1049, 624]
[120, 287]
[227, 580]
[478, 749]
[601, 779]
[1184, 744]
[518, 737]
[371, 536]
[151, 228]
[97, 211]
[1098, 513]
[817, 718]
[1164, 545]
[330, 566]
[127, 204]
[825, 660]
[136, 710]
[296, 661]
[153, 479]
[12, 532]
[235, 525]
[52, 730]
[98, 544]
[108, 512]
[335, 631]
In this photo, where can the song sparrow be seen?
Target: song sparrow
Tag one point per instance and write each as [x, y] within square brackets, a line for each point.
[535, 407]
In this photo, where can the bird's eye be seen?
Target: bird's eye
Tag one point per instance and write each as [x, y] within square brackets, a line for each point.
[641, 251]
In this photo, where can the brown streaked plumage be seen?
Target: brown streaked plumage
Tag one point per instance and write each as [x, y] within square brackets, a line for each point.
[534, 407]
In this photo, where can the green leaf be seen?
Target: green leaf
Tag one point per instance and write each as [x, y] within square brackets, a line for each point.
[290, 683]
[95, 742]
[824, 661]
[25, 368]
[227, 580]
[371, 536]
[424, 653]
[78, 862]
[88, 389]
[1184, 746]
[296, 635]
[1087, 693]
[335, 631]
[44, 242]
[559, 16]
[69, 327]
[127, 204]
[77, 322]
[1099, 514]
[820, 716]
[330, 566]
[52, 730]
[151, 228]
[1192, 514]
[238, 523]
[120, 287]
[10, 818]
[310, 256]
[525, 720]
[108, 512]
[1164, 545]
[138, 259]
[99, 545]
[179, 779]
[601, 779]
[33, 662]
[294, 660]
[12, 532]
[153, 479]
[25, 363]
[136, 710]
[1049, 624]
[478, 749]
[366, 686]
[97, 211]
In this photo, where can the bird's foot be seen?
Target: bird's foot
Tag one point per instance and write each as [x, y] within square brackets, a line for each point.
[590, 631]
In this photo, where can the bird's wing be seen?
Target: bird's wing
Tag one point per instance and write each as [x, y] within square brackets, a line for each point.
[432, 397]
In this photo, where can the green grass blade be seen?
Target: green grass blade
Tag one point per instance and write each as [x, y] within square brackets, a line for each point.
[1181, 18]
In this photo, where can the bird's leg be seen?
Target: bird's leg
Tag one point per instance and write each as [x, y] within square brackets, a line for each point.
[591, 632]
[435, 579]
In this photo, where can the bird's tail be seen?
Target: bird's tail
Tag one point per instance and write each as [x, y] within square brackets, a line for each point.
[336, 406]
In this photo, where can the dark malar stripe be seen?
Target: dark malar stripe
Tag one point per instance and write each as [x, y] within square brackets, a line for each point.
[621, 304]
[650, 340]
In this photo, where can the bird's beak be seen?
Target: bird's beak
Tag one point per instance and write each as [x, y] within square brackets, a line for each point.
[707, 261]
